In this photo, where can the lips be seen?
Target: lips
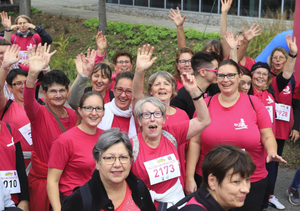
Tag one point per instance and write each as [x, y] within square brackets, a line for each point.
[116, 173]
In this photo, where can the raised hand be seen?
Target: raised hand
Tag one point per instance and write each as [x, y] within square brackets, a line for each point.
[226, 4]
[88, 62]
[252, 32]
[14, 27]
[6, 20]
[11, 55]
[292, 45]
[36, 59]
[78, 64]
[231, 41]
[24, 62]
[189, 83]
[143, 60]
[47, 55]
[176, 17]
[101, 41]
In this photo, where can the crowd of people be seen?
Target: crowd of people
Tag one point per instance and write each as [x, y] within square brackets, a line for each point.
[209, 137]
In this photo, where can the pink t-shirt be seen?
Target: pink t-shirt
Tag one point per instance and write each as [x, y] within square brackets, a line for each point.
[72, 153]
[17, 116]
[179, 84]
[165, 147]
[284, 97]
[269, 101]
[239, 125]
[122, 123]
[8, 150]
[44, 127]
[128, 203]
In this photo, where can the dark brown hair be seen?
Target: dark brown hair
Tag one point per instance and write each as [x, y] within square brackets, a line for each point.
[178, 53]
[121, 53]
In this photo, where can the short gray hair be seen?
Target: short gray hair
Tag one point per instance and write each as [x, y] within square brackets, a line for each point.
[109, 138]
[138, 108]
[166, 76]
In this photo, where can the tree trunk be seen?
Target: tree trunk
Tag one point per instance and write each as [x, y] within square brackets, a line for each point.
[25, 7]
[102, 17]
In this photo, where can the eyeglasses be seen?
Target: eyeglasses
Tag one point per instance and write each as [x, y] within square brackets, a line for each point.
[281, 58]
[90, 109]
[119, 91]
[260, 73]
[54, 92]
[183, 61]
[147, 115]
[112, 159]
[213, 70]
[18, 84]
[229, 76]
[122, 62]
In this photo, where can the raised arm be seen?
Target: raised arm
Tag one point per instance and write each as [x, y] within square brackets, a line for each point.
[288, 68]
[143, 63]
[232, 42]
[10, 57]
[248, 36]
[6, 22]
[226, 4]
[101, 46]
[198, 124]
[178, 20]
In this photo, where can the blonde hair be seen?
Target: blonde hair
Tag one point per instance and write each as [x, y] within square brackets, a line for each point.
[23, 16]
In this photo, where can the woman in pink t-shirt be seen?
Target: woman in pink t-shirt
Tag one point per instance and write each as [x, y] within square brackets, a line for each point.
[240, 120]
[70, 161]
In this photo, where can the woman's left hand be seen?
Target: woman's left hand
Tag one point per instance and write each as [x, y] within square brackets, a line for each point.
[252, 32]
[48, 55]
[231, 40]
[292, 45]
[294, 135]
[275, 157]
[88, 62]
[29, 26]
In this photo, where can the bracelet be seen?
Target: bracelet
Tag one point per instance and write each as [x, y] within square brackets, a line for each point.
[5, 68]
[8, 30]
[47, 68]
[293, 56]
[201, 95]
[32, 82]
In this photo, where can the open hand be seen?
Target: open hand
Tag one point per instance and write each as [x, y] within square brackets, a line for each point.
[226, 4]
[291, 45]
[36, 59]
[176, 17]
[275, 157]
[231, 41]
[252, 32]
[47, 55]
[143, 60]
[101, 41]
[6, 20]
[88, 62]
[189, 82]
[11, 55]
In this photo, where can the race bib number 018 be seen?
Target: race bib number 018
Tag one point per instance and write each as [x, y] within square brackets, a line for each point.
[283, 112]
[162, 169]
[11, 181]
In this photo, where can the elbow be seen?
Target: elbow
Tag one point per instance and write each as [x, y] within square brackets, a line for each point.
[207, 122]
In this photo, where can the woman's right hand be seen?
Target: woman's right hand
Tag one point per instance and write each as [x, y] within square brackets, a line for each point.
[36, 61]
[14, 27]
[176, 17]
[101, 43]
[88, 62]
[292, 45]
[143, 59]
[11, 55]
[190, 186]
[226, 4]
[6, 20]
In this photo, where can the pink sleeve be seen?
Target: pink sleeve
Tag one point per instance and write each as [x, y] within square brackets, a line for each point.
[179, 131]
[99, 59]
[59, 156]
[263, 117]
[16, 133]
[37, 38]
[31, 106]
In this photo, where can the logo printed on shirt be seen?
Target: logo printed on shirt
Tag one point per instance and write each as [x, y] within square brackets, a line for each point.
[269, 100]
[30, 46]
[286, 90]
[241, 125]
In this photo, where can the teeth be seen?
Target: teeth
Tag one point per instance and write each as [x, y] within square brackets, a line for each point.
[122, 100]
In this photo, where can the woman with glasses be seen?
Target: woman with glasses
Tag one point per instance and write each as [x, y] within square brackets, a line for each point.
[241, 120]
[112, 185]
[287, 95]
[155, 147]
[70, 162]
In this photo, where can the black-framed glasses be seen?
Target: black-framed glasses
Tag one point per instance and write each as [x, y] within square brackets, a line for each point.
[260, 73]
[109, 160]
[90, 109]
[54, 92]
[123, 62]
[183, 61]
[119, 91]
[156, 114]
[18, 84]
[229, 76]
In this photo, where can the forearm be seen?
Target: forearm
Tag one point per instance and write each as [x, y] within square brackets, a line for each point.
[3, 74]
[192, 158]
[31, 106]
[7, 36]
[45, 36]
[288, 68]
[99, 57]
[268, 140]
[223, 29]
[53, 194]
[242, 50]
[233, 55]
[180, 37]
[138, 85]
[77, 91]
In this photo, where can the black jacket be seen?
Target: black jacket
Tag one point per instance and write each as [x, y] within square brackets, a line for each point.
[100, 200]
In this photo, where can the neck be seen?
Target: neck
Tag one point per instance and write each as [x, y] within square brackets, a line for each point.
[113, 188]
[215, 196]
[228, 100]
[19, 102]
[202, 83]
[151, 142]
[89, 130]
[59, 111]
[258, 89]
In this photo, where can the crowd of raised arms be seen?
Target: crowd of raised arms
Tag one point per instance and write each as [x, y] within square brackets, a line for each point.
[209, 137]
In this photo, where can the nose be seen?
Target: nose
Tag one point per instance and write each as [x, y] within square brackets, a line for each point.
[57, 94]
[94, 112]
[117, 162]
[245, 187]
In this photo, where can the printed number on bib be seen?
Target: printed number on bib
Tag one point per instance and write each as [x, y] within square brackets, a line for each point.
[11, 181]
[26, 133]
[283, 112]
[162, 169]
[24, 56]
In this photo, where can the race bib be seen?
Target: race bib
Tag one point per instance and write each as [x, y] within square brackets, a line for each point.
[26, 133]
[283, 112]
[11, 181]
[270, 110]
[162, 169]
